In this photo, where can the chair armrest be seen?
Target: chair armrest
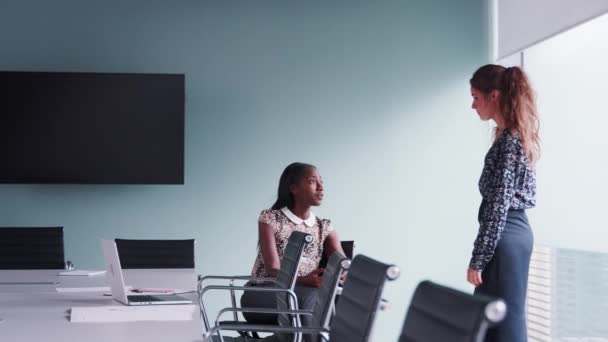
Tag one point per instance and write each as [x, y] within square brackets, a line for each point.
[239, 277]
[202, 279]
[239, 288]
[247, 288]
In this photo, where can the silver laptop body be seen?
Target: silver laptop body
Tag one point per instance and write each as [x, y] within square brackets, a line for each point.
[117, 282]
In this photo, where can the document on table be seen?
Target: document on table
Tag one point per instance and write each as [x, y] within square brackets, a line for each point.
[83, 289]
[86, 273]
[124, 313]
[105, 289]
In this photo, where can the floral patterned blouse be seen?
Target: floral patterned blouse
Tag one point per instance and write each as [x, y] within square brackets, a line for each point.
[507, 182]
[283, 222]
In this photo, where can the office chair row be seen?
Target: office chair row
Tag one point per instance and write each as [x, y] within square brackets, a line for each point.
[23, 248]
[39, 248]
[436, 313]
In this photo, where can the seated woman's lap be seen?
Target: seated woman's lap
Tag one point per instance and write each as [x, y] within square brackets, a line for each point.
[307, 296]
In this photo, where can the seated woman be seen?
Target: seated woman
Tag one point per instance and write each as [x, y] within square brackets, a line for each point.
[300, 188]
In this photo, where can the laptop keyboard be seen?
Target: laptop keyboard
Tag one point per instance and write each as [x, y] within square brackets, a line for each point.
[157, 298]
[143, 298]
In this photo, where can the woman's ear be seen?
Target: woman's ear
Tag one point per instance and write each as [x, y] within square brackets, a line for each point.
[293, 188]
[495, 95]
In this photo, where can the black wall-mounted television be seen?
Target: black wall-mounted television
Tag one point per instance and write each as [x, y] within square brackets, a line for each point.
[91, 128]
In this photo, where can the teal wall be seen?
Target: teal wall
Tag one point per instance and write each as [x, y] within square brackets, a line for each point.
[374, 93]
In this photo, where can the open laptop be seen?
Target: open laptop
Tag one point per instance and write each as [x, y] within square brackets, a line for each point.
[117, 282]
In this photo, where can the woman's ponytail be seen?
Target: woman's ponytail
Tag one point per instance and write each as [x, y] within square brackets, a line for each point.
[518, 107]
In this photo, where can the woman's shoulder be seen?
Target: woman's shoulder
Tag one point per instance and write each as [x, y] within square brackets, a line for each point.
[510, 141]
[512, 134]
[269, 215]
[270, 211]
[324, 223]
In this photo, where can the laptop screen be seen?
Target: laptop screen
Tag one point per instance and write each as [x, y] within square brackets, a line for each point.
[114, 271]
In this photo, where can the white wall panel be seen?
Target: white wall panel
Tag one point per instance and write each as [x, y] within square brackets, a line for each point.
[523, 23]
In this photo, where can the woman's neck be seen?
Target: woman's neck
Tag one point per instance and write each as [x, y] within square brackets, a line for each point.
[499, 131]
[500, 124]
[301, 211]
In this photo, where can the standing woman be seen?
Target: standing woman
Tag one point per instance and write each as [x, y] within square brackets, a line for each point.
[501, 253]
[300, 189]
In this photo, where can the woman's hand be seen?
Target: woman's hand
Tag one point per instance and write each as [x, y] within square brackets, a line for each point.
[474, 277]
[313, 279]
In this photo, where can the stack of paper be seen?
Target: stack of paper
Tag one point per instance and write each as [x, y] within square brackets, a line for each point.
[124, 313]
[105, 289]
[87, 273]
[83, 289]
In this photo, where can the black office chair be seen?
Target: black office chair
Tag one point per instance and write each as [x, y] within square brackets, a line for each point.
[31, 248]
[348, 246]
[356, 311]
[360, 300]
[438, 314]
[284, 283]
[321, 313]
[155, 253]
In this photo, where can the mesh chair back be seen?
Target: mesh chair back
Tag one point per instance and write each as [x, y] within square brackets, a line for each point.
[155, 253]
[360, 299]
[321, 312]
[31, 248]
[327, 293]
[438, 313]
[288, 274]
[286, 278]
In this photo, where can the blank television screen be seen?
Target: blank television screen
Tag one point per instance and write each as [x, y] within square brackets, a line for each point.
[97, 128]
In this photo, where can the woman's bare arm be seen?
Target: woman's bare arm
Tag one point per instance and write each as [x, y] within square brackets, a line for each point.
[332, 244]
[268, 248]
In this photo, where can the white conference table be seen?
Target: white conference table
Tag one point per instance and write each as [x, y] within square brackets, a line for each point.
[41, 313]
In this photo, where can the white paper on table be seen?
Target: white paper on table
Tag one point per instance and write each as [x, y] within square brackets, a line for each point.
[83, 289]
[89, 289]
[87, 273]
[124, 313]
